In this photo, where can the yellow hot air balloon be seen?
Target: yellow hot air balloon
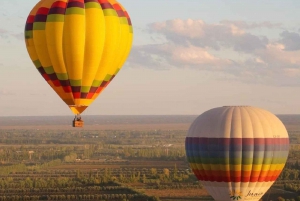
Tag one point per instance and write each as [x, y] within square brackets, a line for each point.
[237, 152]
[78, 46]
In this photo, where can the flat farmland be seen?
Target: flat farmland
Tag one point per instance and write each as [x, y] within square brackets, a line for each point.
[144, 155]
[130, 164]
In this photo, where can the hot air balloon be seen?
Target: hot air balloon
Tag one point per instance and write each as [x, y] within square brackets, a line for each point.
[237, 152]
[78, 46]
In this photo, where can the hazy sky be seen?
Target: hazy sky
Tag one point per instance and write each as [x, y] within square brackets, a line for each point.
[187, 57]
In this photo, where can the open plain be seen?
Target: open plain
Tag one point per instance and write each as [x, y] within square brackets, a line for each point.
[142, 156]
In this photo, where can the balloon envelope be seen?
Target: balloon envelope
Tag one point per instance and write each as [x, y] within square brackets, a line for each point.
[237, 152]
[78, 46]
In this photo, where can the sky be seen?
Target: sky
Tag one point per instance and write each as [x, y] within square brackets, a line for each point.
[187, 57]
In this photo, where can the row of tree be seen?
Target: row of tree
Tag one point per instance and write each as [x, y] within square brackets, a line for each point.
[92, 197]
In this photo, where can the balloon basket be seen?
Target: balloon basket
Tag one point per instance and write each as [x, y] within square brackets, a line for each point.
[78, 123]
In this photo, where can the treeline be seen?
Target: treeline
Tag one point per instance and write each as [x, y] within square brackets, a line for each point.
[5, 170]
[95, 197]
[116, 137]
[12, 154]
[37, 154]
[160, 153]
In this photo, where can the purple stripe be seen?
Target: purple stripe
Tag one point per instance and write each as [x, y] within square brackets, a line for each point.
[29, 27]
[40, 18]
[57, 10]
[53, 76]
[41, 70]
[76, 89]
[106, 6]
[75, 4]
[219, 146]
[64, 83]
[87, 1]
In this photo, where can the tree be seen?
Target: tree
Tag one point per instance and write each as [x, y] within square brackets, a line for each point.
[175, 171]
[153, 172]
[144, 178]
[166, 172]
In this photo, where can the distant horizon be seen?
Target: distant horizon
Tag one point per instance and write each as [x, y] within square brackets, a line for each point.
[114, 121]
[122, 115]
[106, 115]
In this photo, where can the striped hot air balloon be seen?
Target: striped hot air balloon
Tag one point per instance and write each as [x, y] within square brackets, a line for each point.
[237, 152]
[78, 46]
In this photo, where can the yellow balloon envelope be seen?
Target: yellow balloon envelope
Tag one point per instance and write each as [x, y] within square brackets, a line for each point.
[78, 46]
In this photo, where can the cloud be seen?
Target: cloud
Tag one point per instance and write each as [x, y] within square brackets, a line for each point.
[276, 56]
[201, 34]
[195, 56]
[226, 47]
[291, 40]
[149, 56]
[162, 56]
